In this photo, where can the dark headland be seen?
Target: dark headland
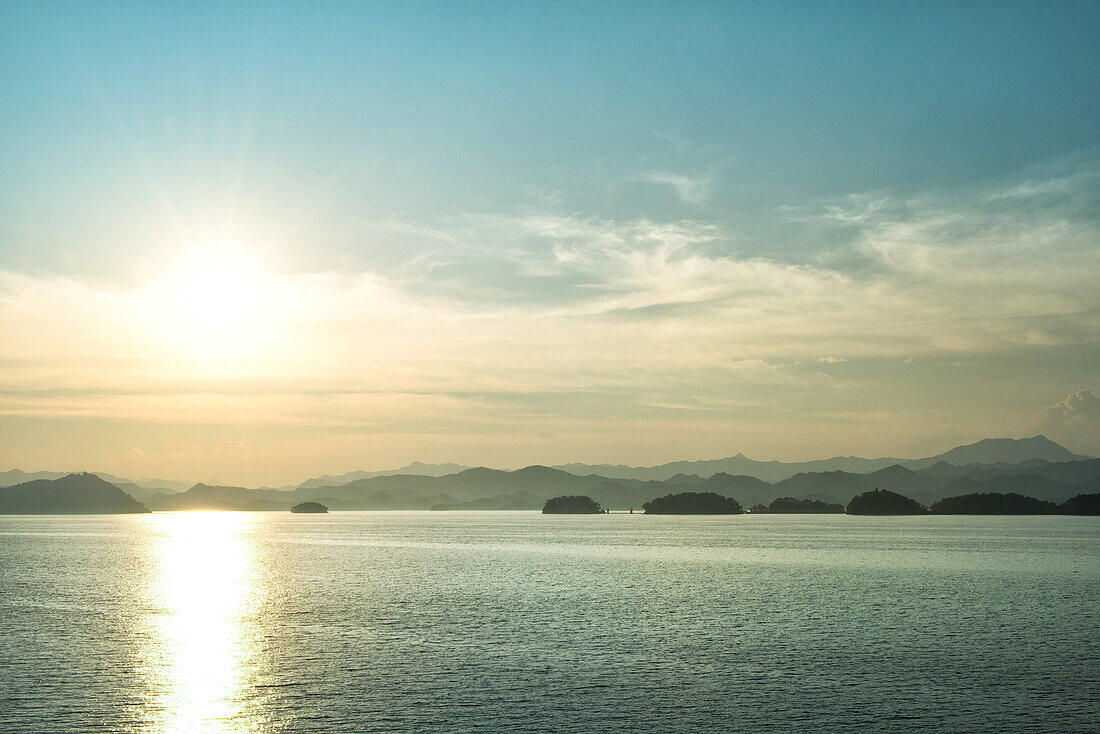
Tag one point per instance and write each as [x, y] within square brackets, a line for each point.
[75, 494]
[1082, 504]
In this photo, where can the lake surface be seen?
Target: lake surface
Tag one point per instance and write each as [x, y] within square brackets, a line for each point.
[498, 622]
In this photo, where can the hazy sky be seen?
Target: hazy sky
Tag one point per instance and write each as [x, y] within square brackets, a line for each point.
[259, 242]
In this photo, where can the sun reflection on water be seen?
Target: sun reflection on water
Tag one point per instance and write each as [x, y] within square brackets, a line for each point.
[207, 593]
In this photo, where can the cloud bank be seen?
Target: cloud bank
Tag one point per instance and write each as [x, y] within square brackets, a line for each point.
[561, 326]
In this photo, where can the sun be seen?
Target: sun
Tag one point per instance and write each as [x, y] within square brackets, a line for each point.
[220, 292]
[218, 302]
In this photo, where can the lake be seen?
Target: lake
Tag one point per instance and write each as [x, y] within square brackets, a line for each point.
[519, 622]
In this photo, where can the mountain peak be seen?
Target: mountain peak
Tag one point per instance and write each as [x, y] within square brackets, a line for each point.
[1010, 450]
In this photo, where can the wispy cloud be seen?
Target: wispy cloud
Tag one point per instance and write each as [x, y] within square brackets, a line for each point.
[691, 189]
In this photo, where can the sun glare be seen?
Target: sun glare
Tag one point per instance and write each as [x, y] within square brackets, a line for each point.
[219, 303]
[219, 296]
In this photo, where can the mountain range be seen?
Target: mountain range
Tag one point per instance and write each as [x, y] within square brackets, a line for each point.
[530, 487]
[1034, 467]
[987, 451]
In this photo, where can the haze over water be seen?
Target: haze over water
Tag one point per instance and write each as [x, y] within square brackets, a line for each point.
[359, 622]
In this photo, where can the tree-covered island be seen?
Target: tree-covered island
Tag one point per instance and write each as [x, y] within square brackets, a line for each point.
[309, 507]
[993, 503]
[790, 505]
[884, 502]
[573, 504]
[693, 503]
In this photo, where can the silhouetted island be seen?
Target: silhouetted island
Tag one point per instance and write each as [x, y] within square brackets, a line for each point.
[309, 507]
[75, 494]
[993, 503]
[789, 505]
[1082, 504]
[573, 504]
[884, 502]
[693, 503]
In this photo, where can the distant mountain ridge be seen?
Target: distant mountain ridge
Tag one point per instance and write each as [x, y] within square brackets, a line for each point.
[926, 480]
[17, 476]
[994, 450]
[417, 468]
[986, 451]
[530, 487]
[989, 451]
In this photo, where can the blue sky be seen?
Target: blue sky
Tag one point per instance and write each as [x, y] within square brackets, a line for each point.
[813, 193]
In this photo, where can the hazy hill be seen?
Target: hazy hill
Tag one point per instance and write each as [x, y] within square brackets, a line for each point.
[723, 482]
[515, 501]
[897, 478]
[209, 497]
[1029, 485]
[74, 494]
[141, 486]
[616, 496]
[477, 488]
[157, 485]
[769, 471]
[417, 468]
[987, 451]
[467, 485]
[745, 489]
[1069, 472]
[840, 484]
[993, 450]
[141, 493]
[944, 471]
[17, 476]
[686, 479]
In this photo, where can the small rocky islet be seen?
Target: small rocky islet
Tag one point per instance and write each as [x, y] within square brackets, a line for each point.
[309, 507]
